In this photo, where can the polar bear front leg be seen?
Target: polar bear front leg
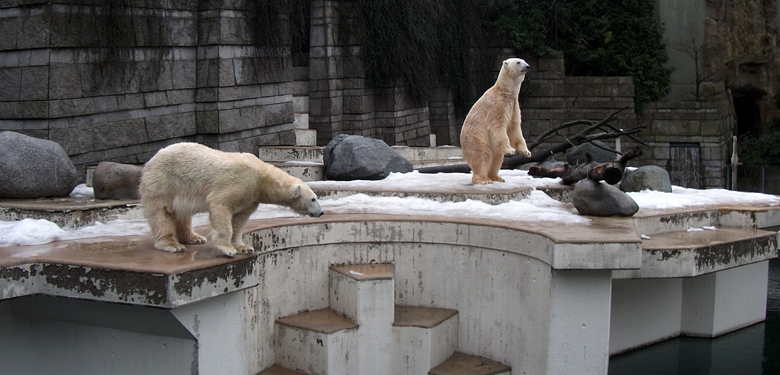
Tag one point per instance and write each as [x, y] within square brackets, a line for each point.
[220, 219]
[239, 221]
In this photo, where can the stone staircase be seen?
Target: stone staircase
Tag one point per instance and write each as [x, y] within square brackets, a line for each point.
[364, 332]
[306, 163]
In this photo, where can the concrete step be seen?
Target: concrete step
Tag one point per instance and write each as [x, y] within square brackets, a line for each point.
[464, 364]
[300, 137]
[420, 154]
[279, 370]
[291, 153]
[424, 336]
[306, 171]
[318, 342]
[444, 155]
[365, 294]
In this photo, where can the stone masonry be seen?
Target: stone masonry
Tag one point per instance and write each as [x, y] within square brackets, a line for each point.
[207, 81]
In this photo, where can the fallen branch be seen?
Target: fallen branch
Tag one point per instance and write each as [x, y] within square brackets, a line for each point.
[607, 131]
[610, 172]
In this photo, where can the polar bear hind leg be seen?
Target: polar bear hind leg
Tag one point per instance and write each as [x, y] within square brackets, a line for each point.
[163, 226]
[479, 160]
[495, 167]
[184, 231]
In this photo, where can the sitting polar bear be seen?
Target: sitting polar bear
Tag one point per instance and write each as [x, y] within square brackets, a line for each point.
[492, 126]
[186, 178]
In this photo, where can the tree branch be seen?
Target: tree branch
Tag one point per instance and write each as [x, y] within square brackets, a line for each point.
[608, 131]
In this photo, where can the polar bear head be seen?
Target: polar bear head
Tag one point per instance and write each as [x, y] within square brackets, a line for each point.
[304, 201]
[514, 69]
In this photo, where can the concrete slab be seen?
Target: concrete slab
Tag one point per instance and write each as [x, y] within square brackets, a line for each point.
[323, 321]
[70, 212]
[464, 364]
[461, 194]
[687, 254]
[419, 316]
[279, 370]
[366, 271]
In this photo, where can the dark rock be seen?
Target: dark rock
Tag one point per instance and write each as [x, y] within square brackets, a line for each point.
[600, 199]
[34, 168]
[352, 157]
[650, 177]
[116, 181]
[577, 155]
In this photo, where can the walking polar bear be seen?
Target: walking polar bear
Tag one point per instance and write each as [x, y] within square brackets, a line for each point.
[492, 126]
[187, 178]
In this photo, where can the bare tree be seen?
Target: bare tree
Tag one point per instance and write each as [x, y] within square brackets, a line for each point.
[692, 46]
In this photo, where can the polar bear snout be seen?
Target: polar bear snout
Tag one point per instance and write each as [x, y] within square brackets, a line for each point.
[524, 67]
[314, 208]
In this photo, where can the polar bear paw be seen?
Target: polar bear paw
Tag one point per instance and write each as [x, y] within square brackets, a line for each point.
[479, 180]
[245, 249]
[169, 246]
[510, 152]
[195, 239]
[228, 250]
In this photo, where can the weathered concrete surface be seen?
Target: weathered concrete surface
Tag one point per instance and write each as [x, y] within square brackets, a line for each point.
[70, 212]
[687, 254]
[483, 269]
[125, 270]
[705, 306]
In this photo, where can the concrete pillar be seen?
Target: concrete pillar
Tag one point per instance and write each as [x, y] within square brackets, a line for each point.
[724, 301]
[227, 338]
[644, 311]
[579, 322]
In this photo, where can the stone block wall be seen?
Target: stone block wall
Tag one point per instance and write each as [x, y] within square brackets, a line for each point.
[706, 127]
[198, 75]
[204, 80]
[340, 101]
[549, 98]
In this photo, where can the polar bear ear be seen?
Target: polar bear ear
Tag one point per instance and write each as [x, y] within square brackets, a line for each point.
[296, 191]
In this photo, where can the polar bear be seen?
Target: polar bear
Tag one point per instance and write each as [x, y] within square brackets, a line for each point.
[186, 178]
[492, 126]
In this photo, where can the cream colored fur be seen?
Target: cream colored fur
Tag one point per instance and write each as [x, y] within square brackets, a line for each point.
[187, 178]
[492, 127]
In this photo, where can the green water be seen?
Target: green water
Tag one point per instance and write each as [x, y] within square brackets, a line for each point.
[754, 350]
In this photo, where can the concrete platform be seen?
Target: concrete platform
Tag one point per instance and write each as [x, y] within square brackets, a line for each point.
[539, 297]
[694, 253]
[70, 212]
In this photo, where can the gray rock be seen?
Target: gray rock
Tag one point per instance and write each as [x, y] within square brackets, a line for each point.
[600, 199]
[650, 177]
[576, 155]
[34, 168]
[116, 181]
[352, 157]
